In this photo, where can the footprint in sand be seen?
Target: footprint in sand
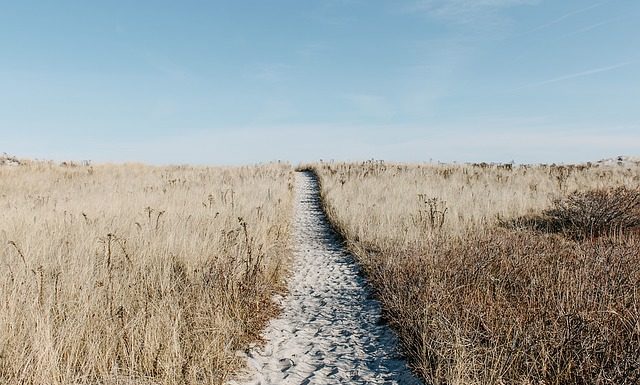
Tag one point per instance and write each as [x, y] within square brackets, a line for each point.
[342, 341]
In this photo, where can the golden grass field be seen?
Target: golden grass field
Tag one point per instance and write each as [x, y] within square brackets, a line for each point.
[137, 274]
[489, 274]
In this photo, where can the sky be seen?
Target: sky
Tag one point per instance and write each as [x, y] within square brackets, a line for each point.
[243, 82]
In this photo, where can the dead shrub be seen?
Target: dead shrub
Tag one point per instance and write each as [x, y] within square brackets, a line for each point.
[588, 214]
[597, 212]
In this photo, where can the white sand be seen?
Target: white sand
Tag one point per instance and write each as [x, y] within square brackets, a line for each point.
[329, 331]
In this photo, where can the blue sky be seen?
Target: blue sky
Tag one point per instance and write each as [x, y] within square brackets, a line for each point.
[231, 82]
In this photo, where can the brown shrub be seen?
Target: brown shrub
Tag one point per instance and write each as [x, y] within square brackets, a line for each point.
[507, 307]
[588, 214]
[597, 212]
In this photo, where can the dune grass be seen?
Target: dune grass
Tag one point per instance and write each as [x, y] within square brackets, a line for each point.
[479, 295]
[114, 274]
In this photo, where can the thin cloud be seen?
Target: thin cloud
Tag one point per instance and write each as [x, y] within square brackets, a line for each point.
[312, 50]
[463, 11]
[576, 75]
[566, 16]
[594, 26]
[270, 72]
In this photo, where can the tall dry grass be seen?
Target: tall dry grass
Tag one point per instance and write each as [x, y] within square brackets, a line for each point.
[136, 274]
[477, 300]
[400, 204]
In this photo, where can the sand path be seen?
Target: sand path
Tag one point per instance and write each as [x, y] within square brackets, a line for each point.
[329, 331]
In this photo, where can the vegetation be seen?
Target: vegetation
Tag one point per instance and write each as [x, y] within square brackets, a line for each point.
[477, 302]
[490, 274]
[136, 274]
[593, 213]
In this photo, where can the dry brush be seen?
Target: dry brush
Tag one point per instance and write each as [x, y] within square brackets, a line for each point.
[137, 274]
[481, 293]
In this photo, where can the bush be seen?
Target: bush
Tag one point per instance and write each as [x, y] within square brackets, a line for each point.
[589, 214]
[597, 212]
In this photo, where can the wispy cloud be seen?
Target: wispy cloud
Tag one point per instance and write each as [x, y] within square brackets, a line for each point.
[566, 16]
[270, 72]
[464, 11]
[594, 26]
[575, 75]
[312, 50]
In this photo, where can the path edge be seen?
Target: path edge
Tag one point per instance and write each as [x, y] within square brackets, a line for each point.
[335, 227]
[350, 246]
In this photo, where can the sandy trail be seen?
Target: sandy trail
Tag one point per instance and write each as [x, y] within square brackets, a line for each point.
[329, 331]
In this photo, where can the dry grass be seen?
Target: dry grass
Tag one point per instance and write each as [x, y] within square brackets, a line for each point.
[477, 303]
[118, 274]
